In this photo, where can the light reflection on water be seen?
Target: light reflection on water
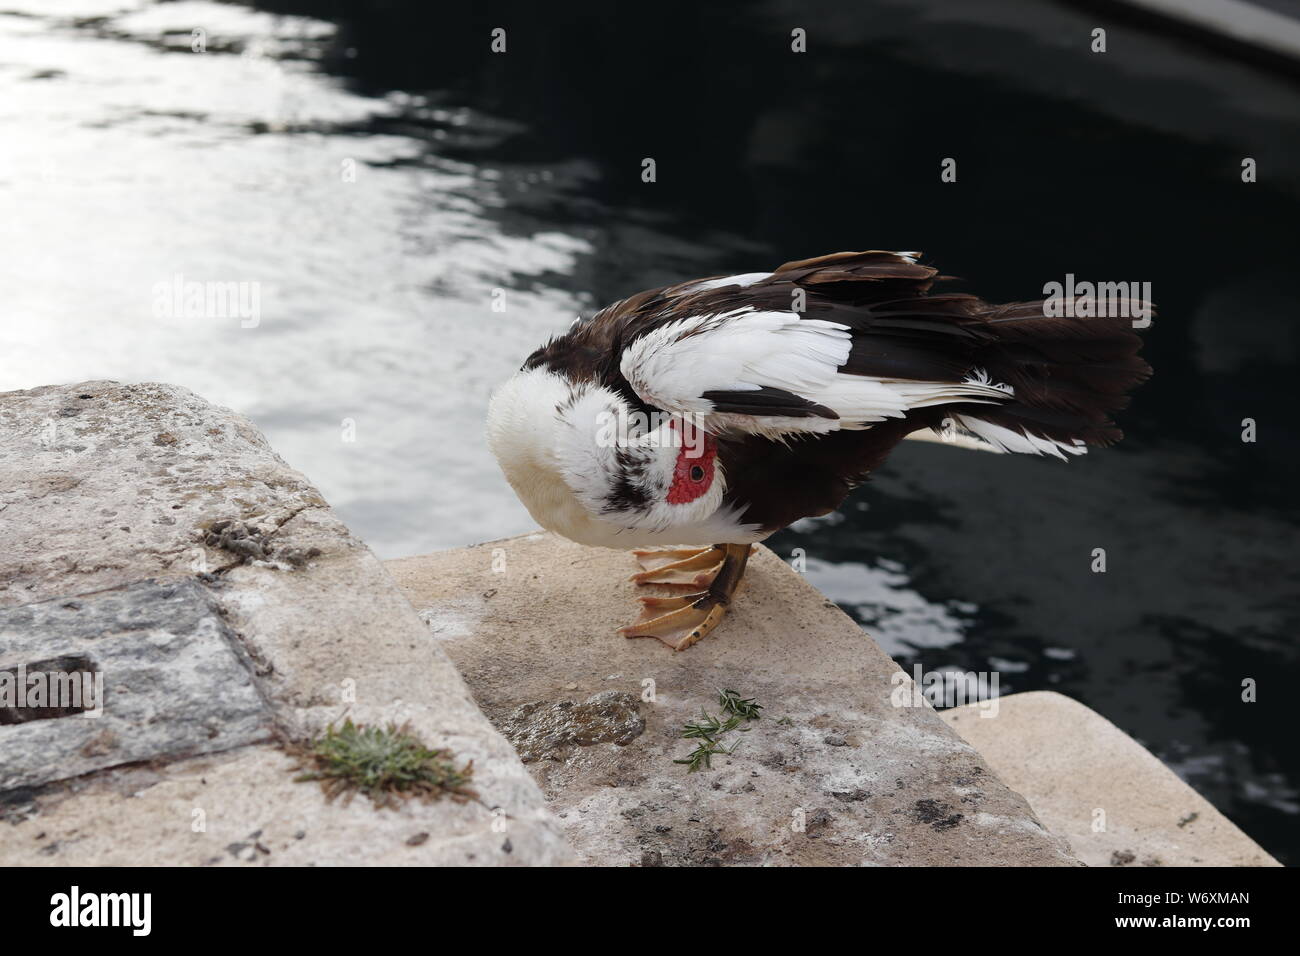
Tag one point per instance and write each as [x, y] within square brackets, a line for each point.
[903, 620]
[135, 164]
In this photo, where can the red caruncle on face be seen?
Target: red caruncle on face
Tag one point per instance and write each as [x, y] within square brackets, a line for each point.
[693, 472]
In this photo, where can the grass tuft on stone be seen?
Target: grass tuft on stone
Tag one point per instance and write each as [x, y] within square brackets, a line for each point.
[389, 764]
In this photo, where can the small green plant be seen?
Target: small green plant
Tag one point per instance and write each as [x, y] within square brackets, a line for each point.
[709, 729]
[389, 765]
[701, 758]
[733, 703]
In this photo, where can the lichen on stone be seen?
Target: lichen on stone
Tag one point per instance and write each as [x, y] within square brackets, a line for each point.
[539, 729]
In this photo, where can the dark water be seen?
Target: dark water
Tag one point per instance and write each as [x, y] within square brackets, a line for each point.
[522, 172]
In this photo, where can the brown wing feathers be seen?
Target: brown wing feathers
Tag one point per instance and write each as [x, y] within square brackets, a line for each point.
[1069, 374]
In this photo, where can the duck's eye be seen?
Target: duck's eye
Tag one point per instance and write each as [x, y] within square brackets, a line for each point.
[697, 473]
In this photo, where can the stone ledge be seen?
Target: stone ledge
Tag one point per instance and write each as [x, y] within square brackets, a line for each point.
[105, 485]
[1069, 762]
[833, 773]
[161, 539]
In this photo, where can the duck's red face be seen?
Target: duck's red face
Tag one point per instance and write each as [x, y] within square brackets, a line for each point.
[693, 472]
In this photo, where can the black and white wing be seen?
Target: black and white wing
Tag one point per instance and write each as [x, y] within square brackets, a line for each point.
[868, 346]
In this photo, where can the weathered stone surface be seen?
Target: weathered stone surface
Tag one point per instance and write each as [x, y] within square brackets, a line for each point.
[103, 485]
[832, 773]
[174, 680]
[1078, 770]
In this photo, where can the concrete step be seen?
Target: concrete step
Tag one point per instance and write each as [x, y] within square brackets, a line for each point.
[844, 766]
[1097, 787]
[212, 647]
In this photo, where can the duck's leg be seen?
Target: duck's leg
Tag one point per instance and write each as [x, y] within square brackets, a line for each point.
[681, 621]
